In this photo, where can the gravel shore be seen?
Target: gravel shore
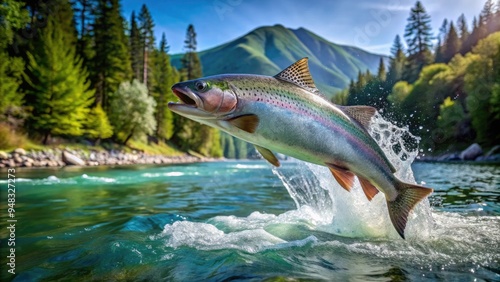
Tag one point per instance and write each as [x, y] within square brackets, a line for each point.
[63, 157]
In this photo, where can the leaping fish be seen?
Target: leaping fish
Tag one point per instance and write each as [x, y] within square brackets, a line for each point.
[287, 114]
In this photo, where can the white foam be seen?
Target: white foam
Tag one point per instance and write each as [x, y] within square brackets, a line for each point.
[206, 236]
[16, 180]
[250, 166]
[167, 174]
[99, 179]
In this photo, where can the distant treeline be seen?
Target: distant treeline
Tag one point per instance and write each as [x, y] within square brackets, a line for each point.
[449, 94]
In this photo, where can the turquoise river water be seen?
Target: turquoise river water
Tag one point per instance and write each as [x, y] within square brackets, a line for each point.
[245, 221]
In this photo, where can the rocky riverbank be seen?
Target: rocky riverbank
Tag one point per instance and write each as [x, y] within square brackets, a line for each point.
[64, 157]
[473, 153]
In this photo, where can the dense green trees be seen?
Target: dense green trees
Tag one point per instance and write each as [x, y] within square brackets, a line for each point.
[59, 96]
[451, 101]
[111, 62]
[163, 77]
[91, 75]
[12, 18]
[482, 83]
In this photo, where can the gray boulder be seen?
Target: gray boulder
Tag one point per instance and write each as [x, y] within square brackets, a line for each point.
[471, 153]
[3, 155]
[20, 151]
[71, 159]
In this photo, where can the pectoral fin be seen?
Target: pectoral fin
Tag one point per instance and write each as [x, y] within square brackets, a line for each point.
[343, 176]
[368, 188]
[268, 155]
[248, 123]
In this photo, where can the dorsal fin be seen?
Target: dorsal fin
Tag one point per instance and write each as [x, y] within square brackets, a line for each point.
[298, 74]
[362, 114]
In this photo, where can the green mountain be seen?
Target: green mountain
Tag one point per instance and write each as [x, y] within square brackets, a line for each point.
[269, 49]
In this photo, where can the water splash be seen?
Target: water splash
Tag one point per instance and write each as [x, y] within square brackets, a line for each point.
[351, 214]
[322, 205]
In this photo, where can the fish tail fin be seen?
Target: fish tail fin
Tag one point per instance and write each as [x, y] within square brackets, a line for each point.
[408, 197]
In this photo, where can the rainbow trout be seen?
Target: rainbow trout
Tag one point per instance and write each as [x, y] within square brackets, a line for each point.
[287, 114]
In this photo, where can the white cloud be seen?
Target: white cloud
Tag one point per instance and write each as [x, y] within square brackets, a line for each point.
[395, 6]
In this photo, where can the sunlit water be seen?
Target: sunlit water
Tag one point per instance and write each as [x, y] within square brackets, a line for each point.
[246, 221]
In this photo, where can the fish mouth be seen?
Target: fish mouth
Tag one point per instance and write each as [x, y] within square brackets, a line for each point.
[190, 104]
[187, 97]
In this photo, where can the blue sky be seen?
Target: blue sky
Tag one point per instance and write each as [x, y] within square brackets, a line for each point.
[369, 24]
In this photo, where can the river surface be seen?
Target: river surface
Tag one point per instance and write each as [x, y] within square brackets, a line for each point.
[237, 221]
[247, 221]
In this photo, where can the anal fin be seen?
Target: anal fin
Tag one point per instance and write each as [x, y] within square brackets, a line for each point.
[343, 176]
[268, 155]
[368, 188]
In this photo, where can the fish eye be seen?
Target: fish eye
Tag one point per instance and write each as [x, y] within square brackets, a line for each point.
[200, 85]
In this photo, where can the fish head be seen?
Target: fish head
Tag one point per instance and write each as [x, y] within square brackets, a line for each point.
[204, 98]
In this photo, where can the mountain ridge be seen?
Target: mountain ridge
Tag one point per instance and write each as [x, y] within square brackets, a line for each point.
[269, 49]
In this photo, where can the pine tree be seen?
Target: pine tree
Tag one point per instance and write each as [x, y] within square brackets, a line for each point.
[136, 51]
[111, 63]
[443, 31]
[59, 94]
[472, 39]
[163, 77]
[97, 125]
[146, 26]
[452, 44]
[418, 35]
[229, 148]
[397, 62]
[487, 17]
[497, 17]
[356, 89]
[381, 72]
[191, 65]
[12, 18]
[241, 148]
[463, 29]
[191, 135]
[84, 17]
